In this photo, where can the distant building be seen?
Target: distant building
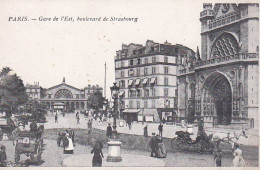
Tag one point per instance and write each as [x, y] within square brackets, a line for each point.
[62, 96]
[147, 77]
[221, 85]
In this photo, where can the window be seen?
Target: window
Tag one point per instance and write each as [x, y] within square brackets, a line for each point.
[154, 59]
[152, 49]
[146, 92]
[165, 59]
[122, 73]
[138, 104]
[139, 61]
[130, 104]
[153, 70]
[138, 72]
[139, 93]
[166, 81]
[153, 103]
[122, 63]
[145, 104]
[166, 70]
[49, 96]
[153, 92]
[131, 62]
[146, 61]
[77, 96]
[145, 71]
[166, 92]
[130, 72]
[36, 96]
[123, 83]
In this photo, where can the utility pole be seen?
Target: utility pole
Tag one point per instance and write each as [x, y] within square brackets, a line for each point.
[105, 80]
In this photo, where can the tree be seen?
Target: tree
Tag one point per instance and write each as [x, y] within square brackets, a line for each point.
[96, 100]
[12, 91]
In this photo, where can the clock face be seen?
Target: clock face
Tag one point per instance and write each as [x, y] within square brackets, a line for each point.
[225, 8]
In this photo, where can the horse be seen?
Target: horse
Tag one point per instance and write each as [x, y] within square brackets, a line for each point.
[229, 138]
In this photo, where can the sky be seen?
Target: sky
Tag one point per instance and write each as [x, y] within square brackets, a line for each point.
[47, 51]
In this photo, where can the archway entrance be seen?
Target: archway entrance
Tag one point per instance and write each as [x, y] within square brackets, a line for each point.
[217, 98]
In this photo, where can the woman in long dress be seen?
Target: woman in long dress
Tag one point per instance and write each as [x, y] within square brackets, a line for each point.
[162, 152]
[68, 145]
[98, 154]
[238, 160]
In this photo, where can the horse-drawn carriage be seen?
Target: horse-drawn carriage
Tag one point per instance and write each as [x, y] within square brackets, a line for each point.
[29, 143]
[7, 126]
[183, 141]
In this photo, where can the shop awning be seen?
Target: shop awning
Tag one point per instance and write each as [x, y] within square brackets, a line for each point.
[137, 82]
[131, 111]
[153, 80]
[145, 81]
[130, 82]
[148, 112]
[121, 93]
[58, 104]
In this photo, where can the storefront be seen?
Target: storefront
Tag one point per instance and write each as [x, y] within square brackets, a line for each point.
[131, 114]
[147, 115]
[167, 114]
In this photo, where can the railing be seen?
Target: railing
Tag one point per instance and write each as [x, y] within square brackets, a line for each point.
[224, 20]
[220, 60]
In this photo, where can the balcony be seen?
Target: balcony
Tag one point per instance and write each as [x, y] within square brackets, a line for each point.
[224, 20]
[240, 57]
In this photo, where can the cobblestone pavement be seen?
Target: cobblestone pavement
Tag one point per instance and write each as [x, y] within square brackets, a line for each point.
[52, 156]
[137, 128]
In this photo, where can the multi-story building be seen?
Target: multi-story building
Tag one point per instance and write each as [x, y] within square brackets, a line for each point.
[62, 96]
[221, 86]
[147, 77]
[34, 92]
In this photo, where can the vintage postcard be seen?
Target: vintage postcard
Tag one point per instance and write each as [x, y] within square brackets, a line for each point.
[144, 83]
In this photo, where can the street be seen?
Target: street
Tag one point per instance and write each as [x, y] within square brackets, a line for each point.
[53, 156]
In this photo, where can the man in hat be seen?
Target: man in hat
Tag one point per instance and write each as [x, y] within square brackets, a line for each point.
[109, 131]
[153, 144]
[3, 156]
[146, 131]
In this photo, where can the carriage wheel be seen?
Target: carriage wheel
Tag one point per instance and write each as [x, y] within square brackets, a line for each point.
[178, 144]
[17, 157]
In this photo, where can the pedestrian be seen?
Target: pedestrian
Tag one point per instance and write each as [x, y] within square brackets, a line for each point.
[153, 144]
[238, 160]
[164, 120]
[160, 128]
[68, 144]
[77, 117]
[161, 149]
[109, 131]
[217, 157]
[126, 122]
[56, 118]
[3, 156]
[98, 154]
[33, 127]
[144, 120]
[146, 131]
[89, 126]
[72, 134]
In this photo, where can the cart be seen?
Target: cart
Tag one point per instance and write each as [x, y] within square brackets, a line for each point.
[29, 144]
[6, 126]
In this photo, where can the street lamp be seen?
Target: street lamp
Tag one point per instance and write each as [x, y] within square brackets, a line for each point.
[114, 144]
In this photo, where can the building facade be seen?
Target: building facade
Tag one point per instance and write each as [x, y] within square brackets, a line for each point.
[147, 79]
[62, 96]
[221, 85]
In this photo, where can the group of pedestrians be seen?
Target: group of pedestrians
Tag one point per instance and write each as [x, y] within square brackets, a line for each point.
[158, 149]
[67, 139]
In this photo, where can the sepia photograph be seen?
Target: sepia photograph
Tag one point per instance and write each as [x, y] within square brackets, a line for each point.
[143, 83]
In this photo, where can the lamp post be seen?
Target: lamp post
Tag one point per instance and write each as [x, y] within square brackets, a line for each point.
[114, 144]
